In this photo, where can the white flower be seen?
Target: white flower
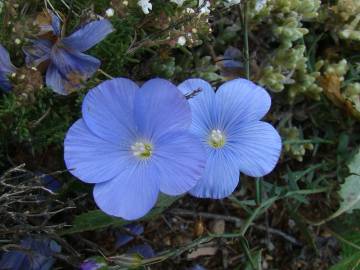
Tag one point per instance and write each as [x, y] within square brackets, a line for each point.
[145, 5]
[110, 12]
[260, 4]
[181, 41]
[189, 10]
[178, 2]
[204, 6]
[229, 3]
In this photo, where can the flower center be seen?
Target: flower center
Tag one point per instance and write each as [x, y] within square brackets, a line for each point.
[142, 150]
[217, 138]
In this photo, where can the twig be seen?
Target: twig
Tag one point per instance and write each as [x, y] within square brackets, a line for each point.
[236, 220]
[183, 212]
[279, 233]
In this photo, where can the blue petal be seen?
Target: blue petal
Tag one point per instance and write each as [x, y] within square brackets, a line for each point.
[5, 63]
[221, 175]
[38, 256]
[55, 23]
[232, 53]
[74, 68]
[54, 80]
[231, 64]
[89, 35]
[93, 264]
[202, 106]
[49, 181]
[180, 159]
[160, 108]
[6, 68]
[240, 100]
[108, 110]
[122, 239]
[130, 195]
[258, 147]
[38, 52]
[5, 83]
[144, 250]
[14, 260]
[69, 62]
[197, 267]
[92, 159]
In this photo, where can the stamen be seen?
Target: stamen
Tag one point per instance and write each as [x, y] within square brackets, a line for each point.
[142, 150]
[217, 138]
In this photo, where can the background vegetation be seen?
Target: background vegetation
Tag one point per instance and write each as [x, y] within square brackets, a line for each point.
[304, 215]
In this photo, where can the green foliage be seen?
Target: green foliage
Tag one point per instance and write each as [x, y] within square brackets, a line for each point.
[350, 190]
[348, 263]
[96, 219]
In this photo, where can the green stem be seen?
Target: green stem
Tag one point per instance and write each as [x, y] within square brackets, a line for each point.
[246, 40]
[258, 185]
[245, 246]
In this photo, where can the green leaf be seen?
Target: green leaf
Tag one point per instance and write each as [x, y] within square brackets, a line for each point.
[348, 263]
[350, 194]
[96, 219]
[354, 164]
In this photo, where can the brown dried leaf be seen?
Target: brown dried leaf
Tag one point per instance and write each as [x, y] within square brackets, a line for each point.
[331, 84]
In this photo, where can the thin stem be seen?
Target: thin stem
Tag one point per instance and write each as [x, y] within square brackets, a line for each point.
[245, 246]
[246, 40]
[258, 186]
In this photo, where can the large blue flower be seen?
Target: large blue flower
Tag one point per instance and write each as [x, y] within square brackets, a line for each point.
[68, 67]
[132, 143]
[228, 123]
[6, 68]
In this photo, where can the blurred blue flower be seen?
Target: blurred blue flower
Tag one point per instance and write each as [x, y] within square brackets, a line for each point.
[6, 68]
[124, 238]
[231, 56]
[93, 264]
[229, 126]
[68, 67]
[144, 250]
[38, 255]
[49, 181]
[197, 267]
[132, 143]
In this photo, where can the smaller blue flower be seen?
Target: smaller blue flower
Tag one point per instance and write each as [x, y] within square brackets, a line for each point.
[124, 238]
[49, 181]
[93, 264]
[38, 255]
[68, 67]
[144, 250]
[228, 124]
[6, 69]
[231, 58]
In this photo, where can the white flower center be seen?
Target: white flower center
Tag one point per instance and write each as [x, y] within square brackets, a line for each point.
[217, 138]
[142, 150]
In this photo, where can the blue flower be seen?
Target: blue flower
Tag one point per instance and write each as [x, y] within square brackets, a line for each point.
[93, 264]
[6, 68]
[231, 55]
[228, 123]
[144, 250]
[132, 143]
[49, 181]
[124, 238]
[68, 67]
[38, 255]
